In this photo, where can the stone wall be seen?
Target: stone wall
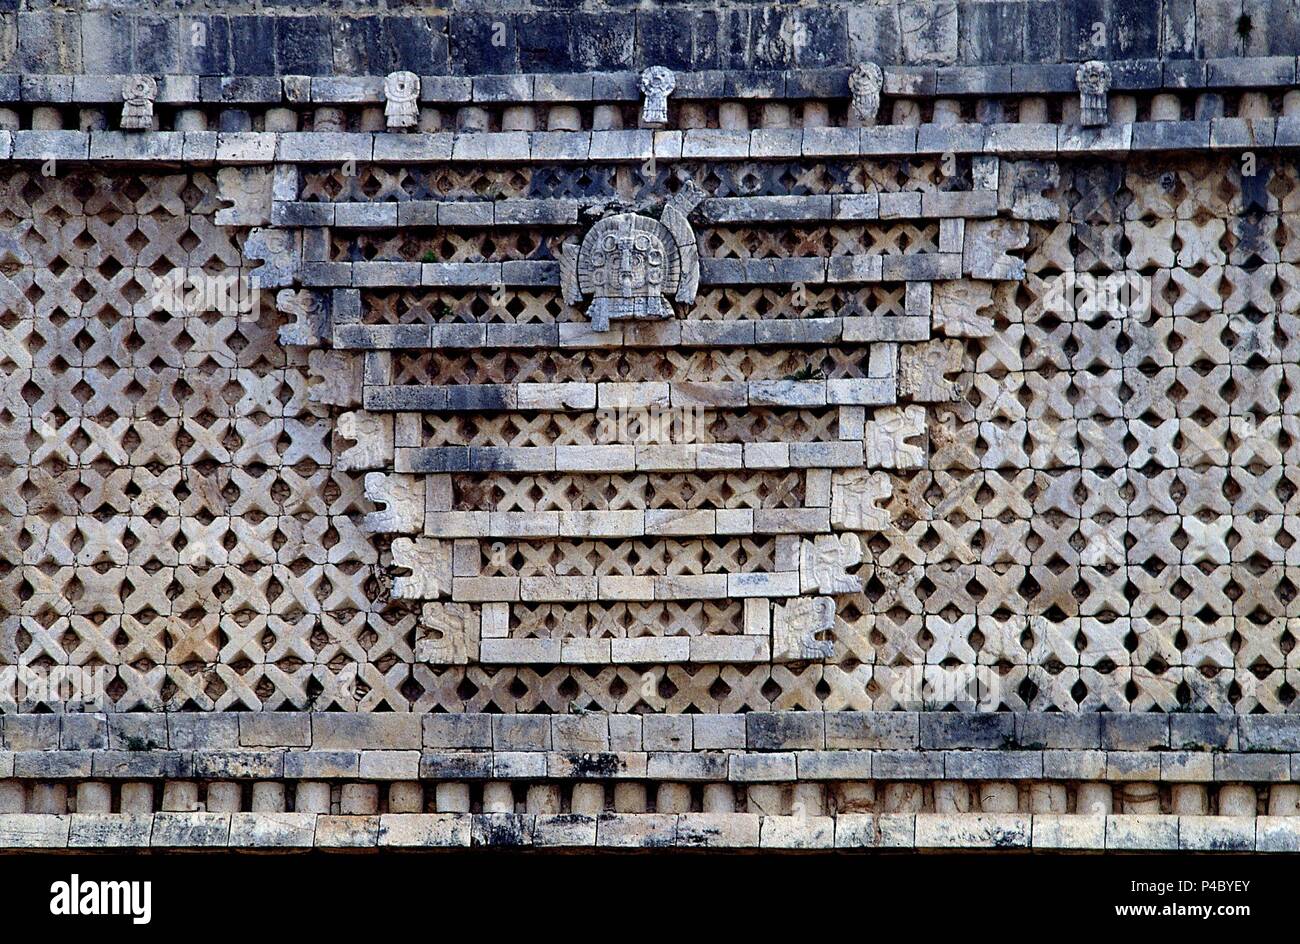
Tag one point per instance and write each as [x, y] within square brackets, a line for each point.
[762, 453]
[471, 37]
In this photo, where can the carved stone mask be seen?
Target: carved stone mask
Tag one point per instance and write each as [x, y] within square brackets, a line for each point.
[628, 262]
[401, 86]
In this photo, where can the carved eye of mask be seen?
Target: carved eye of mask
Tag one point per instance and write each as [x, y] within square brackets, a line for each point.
[141, 87]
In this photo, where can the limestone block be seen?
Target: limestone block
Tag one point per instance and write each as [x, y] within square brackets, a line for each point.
[800, 630]
[272, 830]
[886, 438]
[961, 309]
[430, 565]
[922, 369]
[249, 190]
[402, 498]
[372, 434]
[824, 563]
[448, 634]
[989, 244]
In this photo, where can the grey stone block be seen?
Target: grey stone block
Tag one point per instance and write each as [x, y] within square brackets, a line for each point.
[1184, 73]
[502, 829]
[152, 765]
[186, 830]
[202, 732]
[322, 765]
[28, 732]
[52, 765]
[236, 765]
[973, 80]
[339, 731]
[1269, 732]
[275, 729]
[758, 768]
[137, 731]
[1171, 135]
[683, 765]
[950, 139]
[1256, 72]
[1133, 765]
[456, 765]
[878, 730]
[588, 732]
[521, 733]
[1043, 79]
[785, 730]
[1204, 732]
[1074, 765]
[458, 731]
[109, 830]
[1136, 75]
[1252, 767]
[967, 730]
[834, 765]
[1038, 729]
[1134, 732]
[993, 765]
[663, 732]
[907, 765]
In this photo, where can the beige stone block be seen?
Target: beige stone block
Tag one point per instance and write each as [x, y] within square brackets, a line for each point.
[33, 831]
[973, 831]
[719, 830]
[109, 830]
[1068, 831]
[272, 830]
[425, 830]
[347, 832]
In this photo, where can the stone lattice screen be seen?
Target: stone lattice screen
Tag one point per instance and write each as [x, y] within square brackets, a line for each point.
[1100, 512]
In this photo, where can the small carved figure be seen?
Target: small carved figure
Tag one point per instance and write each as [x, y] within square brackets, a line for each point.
[401, 99]
[138, 94]
[657, 82]
[865, 83]
[1094, 82]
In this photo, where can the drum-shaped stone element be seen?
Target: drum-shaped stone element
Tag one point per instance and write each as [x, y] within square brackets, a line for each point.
[1094, 82]
[657, 82]
[401, 100]
[138, 95]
